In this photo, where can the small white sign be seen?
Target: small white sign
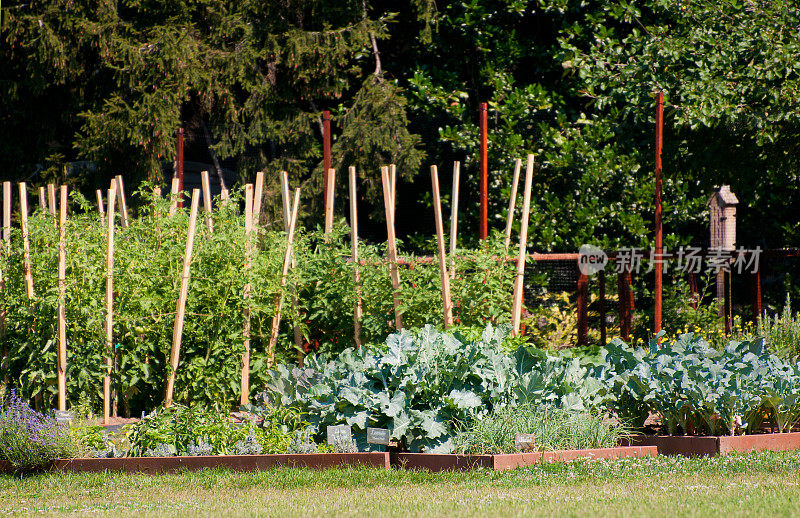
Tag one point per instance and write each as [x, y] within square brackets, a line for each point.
[378, 436]
[525, 442]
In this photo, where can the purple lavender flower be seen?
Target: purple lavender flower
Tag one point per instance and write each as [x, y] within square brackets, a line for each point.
[29, 438]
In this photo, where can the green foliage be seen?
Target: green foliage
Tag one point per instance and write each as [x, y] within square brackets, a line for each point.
[781, 332]
[419, 384]
[186, 430]
[695, 388]
[553, 429]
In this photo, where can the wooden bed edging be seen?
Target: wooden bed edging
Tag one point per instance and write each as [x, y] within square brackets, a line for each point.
[425, 461]
[694, 446]
[505, 461]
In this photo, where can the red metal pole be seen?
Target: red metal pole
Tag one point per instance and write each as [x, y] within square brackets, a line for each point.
[484, 229]
[179, 167]
[583, 309]
[602, 279]
[659, 267]
[326, 155]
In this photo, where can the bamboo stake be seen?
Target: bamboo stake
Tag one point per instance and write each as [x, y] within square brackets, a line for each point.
[249, 219]
[26, 245]
[206, 184]
[173, 196]
[7, 248]
[100, 207]
[437, 210]
[329, 189]
[512, 202]
[391, 247]
[51, 199]
[109, 324]
[286, 201]
[354, 246]
[454, 218]
[7, 215]
[62, 319]
[287, 216]
[258, 194]
[42, 198]
[180, 310]
[523, 248]
[287, 261]
[123, 205]
[393, 178]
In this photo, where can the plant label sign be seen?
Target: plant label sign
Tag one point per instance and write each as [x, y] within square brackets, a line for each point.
[63, 416]
[378, 436]
[341, 434]
[525, 442]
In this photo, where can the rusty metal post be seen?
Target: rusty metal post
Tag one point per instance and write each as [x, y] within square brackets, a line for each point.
[659, 267]
[727, 302]
[756, 291]
[602, 280]
[693, 289]
[326, 155]
[484, 228]
[179, 167]
[625, 304]
[583, 309]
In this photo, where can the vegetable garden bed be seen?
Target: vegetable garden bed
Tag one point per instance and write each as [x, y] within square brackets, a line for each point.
[694, 445]
[159, 465]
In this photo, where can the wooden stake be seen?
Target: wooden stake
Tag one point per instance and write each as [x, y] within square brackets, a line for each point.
[51, 199]
[258, 195]
[7, 215]
[42, 198]
[516, 310]
[249, 220]
[437, 210]
[100, 207]
[26, 245]
[206, 184]
[391, 248]
[287, 216]
[7, 248]
[109, 324]
[286, 201]
[287, 261]
[354, 246]
[180, 310]
[512, 202]
[454, 217]
[225, 196]
[62, 291]
[393, 179]
[329, 202]
[173, 196]
[123, 205]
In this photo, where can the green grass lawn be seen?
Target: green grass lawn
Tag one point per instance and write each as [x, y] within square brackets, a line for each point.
[764, 484]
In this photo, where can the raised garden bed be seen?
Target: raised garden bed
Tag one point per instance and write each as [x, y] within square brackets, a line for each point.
[691, 445]
[504, 461]
[158, 465]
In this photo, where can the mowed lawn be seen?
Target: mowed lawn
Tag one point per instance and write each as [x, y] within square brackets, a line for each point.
[763, 484]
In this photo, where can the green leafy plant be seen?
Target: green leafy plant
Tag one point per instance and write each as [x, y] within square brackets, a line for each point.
[419, 384]
[553, 429]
